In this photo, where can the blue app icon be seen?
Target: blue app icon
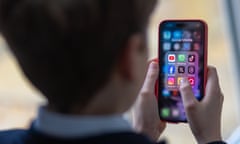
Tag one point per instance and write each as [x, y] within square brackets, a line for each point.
[197, 94]
[166, 93]
[187, 34]
[177, 34]
[167, 35]
[167, 46]
[186, 46]
[165, 69]
[171, 69]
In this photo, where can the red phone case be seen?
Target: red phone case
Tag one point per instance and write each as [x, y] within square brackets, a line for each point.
[205, 53]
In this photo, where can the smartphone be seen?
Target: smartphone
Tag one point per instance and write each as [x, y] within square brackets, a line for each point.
[182, 54]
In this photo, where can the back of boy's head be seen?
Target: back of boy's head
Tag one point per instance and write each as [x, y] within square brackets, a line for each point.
[67, 48]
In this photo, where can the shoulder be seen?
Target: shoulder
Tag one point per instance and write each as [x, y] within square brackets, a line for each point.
[12, 136]
[119, 138]
[107, 138]
[32, 136]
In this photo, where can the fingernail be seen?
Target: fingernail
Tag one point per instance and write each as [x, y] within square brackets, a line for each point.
[153, 65]
[184, 82]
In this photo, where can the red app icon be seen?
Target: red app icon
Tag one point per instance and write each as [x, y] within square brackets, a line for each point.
[191, 81]
[175, 93]
[196, 46]
[171, 58]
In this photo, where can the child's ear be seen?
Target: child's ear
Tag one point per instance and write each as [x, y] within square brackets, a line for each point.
[130, 56]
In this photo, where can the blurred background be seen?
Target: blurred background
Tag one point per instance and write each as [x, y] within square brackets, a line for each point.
[19, 100]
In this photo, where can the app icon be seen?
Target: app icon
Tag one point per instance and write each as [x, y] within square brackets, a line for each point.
[187, 46]
[177, 46]
[177, 34]
[191, 81]
[175, 93]
[175, 112]
[181, 58]
[197, 35]
[165, 93]
[171, 69]
[196, 46]
[181, 69]
[167, 35]
[171, 58]
[191, 69]
[165, 112]
[171, 81]
[197, 94]
[191, 58]
[167, 46]
[179, 80]
[187, 34]
[165, 69]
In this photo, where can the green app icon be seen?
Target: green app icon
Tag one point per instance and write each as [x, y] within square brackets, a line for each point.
[181, 58]
[165, 112]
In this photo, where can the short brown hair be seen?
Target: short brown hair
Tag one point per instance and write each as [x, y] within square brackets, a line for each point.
[67, 48]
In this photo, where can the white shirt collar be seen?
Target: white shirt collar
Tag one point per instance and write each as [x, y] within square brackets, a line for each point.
[60, 125]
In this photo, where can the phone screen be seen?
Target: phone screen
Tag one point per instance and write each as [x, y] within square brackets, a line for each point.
[182, 54]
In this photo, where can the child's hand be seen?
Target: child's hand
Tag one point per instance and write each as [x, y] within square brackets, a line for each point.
[204, 117]
[145, 111]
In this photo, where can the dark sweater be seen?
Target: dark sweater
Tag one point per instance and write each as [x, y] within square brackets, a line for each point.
[32, 136]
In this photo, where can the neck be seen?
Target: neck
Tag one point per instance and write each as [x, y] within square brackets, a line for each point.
[112, 100]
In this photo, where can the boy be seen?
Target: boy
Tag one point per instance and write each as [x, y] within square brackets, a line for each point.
[88, 58]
